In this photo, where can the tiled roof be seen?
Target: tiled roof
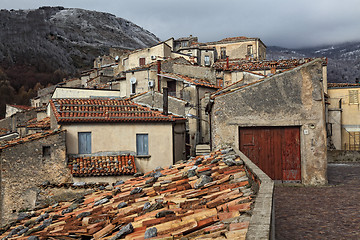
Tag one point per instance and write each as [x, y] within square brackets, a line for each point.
[232, 39]
[105, 110]
[43, 123]
[233, 87]
[343, 85]
[22, 107]
[29, 138]
[259, 65]
[4, 131]
[205, 198]
[102, 165]
[196, 81]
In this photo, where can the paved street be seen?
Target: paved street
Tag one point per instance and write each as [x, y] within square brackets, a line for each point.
[328, 212]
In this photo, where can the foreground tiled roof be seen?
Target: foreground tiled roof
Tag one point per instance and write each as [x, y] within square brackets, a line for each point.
[205, 198]
[102, 165]
[260, 65]
[105, 110]
[42, 124]
[29, 138]
[343, 85]
[196, 81]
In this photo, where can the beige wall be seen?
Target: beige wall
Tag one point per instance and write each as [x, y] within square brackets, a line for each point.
[239, 49]
[142, 79]
[160, 51]
[122, 137]
[83, 93]
[350, 113]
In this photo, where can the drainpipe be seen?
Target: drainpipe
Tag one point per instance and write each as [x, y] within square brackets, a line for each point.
[227, 63]
[165, 101]
[198, 113]
[158, 72]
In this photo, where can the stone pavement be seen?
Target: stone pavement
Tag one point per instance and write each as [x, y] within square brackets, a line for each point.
[327, 212]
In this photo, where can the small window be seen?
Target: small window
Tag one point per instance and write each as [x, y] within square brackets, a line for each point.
[142, 144]
[219, 83]
[353, 97]
[133, 88]
[223, 52]
[84, 142]
[249, 50]
[141, 61]
[207, 60]
[46, 152]
[184, 44]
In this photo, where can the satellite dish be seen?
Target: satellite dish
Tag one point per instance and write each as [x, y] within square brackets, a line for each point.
[133, 80]
[117, 58]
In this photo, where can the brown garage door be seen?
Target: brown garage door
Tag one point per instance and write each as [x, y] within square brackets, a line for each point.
[276, 150]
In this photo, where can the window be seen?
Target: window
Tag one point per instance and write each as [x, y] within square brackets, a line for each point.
[223, 52]
[219, 82]
[249, 50]
[46, 151]
[207, 60]
[353, 97]
[84, 139]
[171, 88]
[133, 88]
[141, 61]
[184, 44]
[142, 144]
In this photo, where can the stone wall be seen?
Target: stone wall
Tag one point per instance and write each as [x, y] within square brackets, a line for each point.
[195, 72]
[24, 167]
[292, 98]
[343, 156]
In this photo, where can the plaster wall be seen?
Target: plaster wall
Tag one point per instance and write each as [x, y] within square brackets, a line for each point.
[195, 72]
[293, 98]
[83, 93]
[122, 137]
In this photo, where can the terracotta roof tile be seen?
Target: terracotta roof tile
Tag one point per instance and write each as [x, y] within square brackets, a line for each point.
[240, 64]
[4, 131]
[22, 107]
[29, 138]
[196, 81]
[102, 165]
[42, 124]
[105, 110]
[168, 203]
[343, 85]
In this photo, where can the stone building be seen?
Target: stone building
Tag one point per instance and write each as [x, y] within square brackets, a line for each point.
[278, 122]
[26, 163]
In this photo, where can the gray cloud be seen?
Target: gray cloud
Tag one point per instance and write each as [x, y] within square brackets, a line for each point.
[279, 22]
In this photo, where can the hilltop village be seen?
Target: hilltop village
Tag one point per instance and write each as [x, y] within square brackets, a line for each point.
[181, 139]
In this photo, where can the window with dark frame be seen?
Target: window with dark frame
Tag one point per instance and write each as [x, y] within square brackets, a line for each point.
[142, 144]
[249, 50]
[207, 60]
[46, 151]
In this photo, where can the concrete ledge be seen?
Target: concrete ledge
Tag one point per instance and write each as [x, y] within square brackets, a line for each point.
[262, 222]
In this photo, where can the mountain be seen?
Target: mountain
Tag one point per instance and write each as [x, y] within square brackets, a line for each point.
[343, 59]
[46, 44]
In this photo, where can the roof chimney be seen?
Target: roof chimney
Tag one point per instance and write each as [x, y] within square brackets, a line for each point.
[165, 101]
[272, 68]
[158, 72]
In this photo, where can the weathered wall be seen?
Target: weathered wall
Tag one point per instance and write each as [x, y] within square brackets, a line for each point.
[142, 79]
[336, 131]
[195, 72]
[84, 93]
[293, 98]
[24, 168]
[155, 100]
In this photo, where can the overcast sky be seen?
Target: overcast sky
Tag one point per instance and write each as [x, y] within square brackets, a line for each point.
[286, 23]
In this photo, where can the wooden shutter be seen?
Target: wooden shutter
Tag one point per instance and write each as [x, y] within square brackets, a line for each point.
[84, 141]
[142, 144]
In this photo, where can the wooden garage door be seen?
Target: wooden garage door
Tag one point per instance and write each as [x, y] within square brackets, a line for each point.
[276, 150]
